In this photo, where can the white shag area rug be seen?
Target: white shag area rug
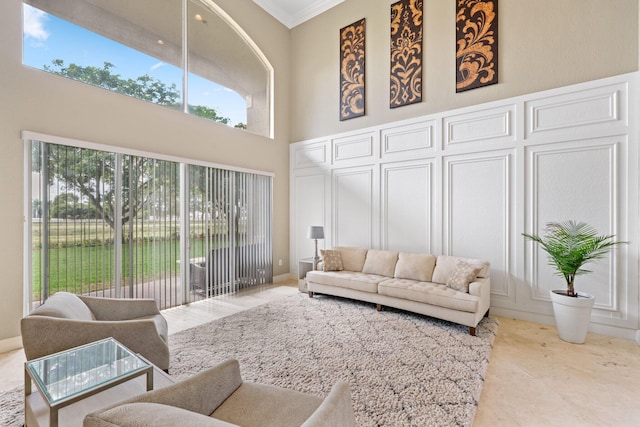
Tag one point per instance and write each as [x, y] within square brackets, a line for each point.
[404, 369]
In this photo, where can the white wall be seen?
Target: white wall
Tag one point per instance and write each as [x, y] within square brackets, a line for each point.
[469, 182]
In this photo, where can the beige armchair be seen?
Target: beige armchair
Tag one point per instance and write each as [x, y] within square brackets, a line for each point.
[67, 320]
[219, 397]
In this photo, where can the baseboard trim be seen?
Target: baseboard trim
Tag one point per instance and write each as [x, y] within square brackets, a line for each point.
[282, 278]
[10, 344]
[596, 328]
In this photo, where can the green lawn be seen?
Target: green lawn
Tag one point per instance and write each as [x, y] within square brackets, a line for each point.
[81, 254]
[81, 269]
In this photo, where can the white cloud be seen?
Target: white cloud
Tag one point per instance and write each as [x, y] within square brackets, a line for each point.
[34, 20]
[156, 66]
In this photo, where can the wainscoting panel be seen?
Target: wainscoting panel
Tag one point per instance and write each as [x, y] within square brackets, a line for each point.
[477, 212]
[557, 175]
[355, 148]
[407, 206]
[470, 181]
[310, 155]
[495, 124]
[587, 110]
[414, 139]
[354, 202]
[308, 191]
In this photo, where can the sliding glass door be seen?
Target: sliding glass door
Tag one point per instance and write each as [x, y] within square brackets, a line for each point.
[230, 230]
[117, 225]
[73, 224]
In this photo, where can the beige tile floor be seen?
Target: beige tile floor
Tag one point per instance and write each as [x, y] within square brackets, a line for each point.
[536, 379]
[533, 378]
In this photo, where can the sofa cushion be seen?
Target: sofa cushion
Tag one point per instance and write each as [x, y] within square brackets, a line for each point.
[415, 266]
[463, 274]
[266, 405]
[347, 279]
[446, 264]
[150, 414]
[64, 305]
[380, 262]
[429, 293]
[352, 258]
[331, 260]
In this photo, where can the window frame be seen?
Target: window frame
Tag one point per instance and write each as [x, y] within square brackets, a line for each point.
[264, 127]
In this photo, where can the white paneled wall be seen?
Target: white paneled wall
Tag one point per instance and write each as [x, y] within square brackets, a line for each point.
[477, 202]
[353, 206]
[406, 210]
[469, 182]
[309, 190]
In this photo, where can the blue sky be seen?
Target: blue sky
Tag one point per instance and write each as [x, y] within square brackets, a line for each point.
[47, 37]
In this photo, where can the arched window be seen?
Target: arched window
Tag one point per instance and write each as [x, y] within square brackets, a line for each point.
[183, 54]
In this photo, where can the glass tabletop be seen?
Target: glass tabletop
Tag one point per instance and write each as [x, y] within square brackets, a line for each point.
[68, 373]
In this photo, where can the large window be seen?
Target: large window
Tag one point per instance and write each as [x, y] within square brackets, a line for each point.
[183, 54]
[120, 225]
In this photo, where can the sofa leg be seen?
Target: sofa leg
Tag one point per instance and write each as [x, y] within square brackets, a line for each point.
[310, 294]
[487, 313]
[379, 307]
[472, 331]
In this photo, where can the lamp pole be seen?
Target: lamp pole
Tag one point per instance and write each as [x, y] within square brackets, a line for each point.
[315, 256]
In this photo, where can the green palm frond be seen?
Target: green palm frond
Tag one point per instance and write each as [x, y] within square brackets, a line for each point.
[570, 245]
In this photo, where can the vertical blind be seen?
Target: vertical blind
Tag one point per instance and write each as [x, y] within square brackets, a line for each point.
[230, 225]
[110, 224]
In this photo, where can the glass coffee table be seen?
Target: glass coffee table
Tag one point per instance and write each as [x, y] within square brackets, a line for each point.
[72, 375]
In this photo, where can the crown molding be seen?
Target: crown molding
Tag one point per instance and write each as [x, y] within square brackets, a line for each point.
[294, 12]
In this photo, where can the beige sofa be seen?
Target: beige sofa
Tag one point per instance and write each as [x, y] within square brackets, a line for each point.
[67, 320]
[219, 397]
[451, 288]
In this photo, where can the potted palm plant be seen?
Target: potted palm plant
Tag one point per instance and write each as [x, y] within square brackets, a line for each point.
[570, 245]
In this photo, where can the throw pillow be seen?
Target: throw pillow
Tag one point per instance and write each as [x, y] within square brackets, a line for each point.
[463, 274]
[332, 261]
[445, 264]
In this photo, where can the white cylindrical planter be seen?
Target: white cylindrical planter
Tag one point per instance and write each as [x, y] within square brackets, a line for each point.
[572, 315]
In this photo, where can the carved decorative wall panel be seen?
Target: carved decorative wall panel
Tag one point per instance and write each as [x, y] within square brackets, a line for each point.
[406, 53]
[476, 44]
[352, 63]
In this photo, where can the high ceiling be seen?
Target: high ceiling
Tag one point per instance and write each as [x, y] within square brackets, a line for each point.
[295, 12]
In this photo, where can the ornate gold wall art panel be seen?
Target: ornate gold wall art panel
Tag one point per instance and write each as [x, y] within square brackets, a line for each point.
[476, 44]
[352, 39]
[406, 53]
